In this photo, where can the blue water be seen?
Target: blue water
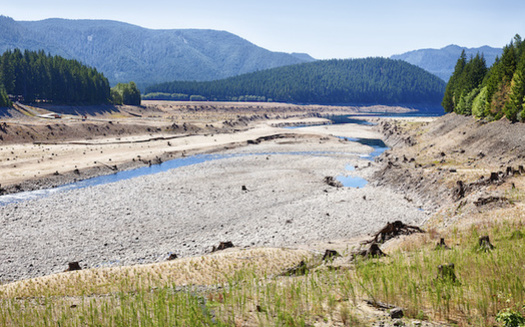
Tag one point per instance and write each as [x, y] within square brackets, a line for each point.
[137, 172]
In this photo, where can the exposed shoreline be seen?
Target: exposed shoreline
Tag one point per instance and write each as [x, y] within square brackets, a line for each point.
[189, 209]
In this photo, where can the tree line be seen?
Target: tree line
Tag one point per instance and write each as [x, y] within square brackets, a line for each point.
[37, 76]
[491, 92]
[357, 81]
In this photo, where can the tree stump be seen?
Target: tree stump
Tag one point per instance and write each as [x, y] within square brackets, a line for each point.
[330, 255]
[72, 266]
[459, 191]
[372, 252]
[222, 246]
[494, 177]
[484, 243]
[447, 273]
[521, 169]
[442, 245]
[172, 256]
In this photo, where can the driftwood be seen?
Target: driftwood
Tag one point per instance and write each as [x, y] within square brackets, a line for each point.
[380, 305]
[484, 244]
[490, 199]
[392, 230]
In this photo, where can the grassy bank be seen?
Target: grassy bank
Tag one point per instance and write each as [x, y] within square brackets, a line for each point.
[487, 283]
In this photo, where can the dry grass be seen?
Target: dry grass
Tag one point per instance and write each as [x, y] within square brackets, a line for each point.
[210, 269]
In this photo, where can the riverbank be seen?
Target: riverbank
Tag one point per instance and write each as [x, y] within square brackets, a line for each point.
[190, 209]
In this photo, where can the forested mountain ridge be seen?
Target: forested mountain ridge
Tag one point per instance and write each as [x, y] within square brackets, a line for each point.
[125, 52]
[440, 62]
[492, 93]
[351, 81]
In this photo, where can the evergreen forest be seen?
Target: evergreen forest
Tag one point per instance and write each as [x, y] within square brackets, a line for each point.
[492, 92]
[40, 77]
[350, 81]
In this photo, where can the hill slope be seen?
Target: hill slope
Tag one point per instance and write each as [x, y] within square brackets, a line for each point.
[125, 52]
[358, 81]
[440, 62]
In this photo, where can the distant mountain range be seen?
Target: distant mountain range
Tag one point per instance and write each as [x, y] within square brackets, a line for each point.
[441, 62]
[125, 52]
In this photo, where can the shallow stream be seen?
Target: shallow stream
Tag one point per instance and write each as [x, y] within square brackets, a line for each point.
[347, 181]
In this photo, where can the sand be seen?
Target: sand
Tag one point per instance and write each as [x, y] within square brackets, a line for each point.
[188, 210]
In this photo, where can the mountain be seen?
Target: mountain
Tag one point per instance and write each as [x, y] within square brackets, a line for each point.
[125, 52]
[351, 81]
[441, 62]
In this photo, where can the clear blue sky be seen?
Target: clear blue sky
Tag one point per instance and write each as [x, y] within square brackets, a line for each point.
[323, 29]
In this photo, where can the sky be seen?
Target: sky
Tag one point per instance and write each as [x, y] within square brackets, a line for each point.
[324, 29]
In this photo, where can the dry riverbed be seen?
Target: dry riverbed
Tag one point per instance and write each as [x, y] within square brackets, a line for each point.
[272, 197]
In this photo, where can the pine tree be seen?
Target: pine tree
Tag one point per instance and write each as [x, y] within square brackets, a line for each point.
[449, 101]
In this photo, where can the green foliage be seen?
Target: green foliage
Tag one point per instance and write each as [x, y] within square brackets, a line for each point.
[166, 96]
[4, 100]
[126, 94]
[359, 81]
[479, 104]
[465, 104]
[37, 76]
[502, 86]
[510, 318]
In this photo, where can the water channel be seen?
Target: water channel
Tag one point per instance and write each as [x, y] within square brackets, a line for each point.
[347, 181]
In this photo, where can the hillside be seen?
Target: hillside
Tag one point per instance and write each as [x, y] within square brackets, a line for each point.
[124, 52]
[440, 62]
[358, 81]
